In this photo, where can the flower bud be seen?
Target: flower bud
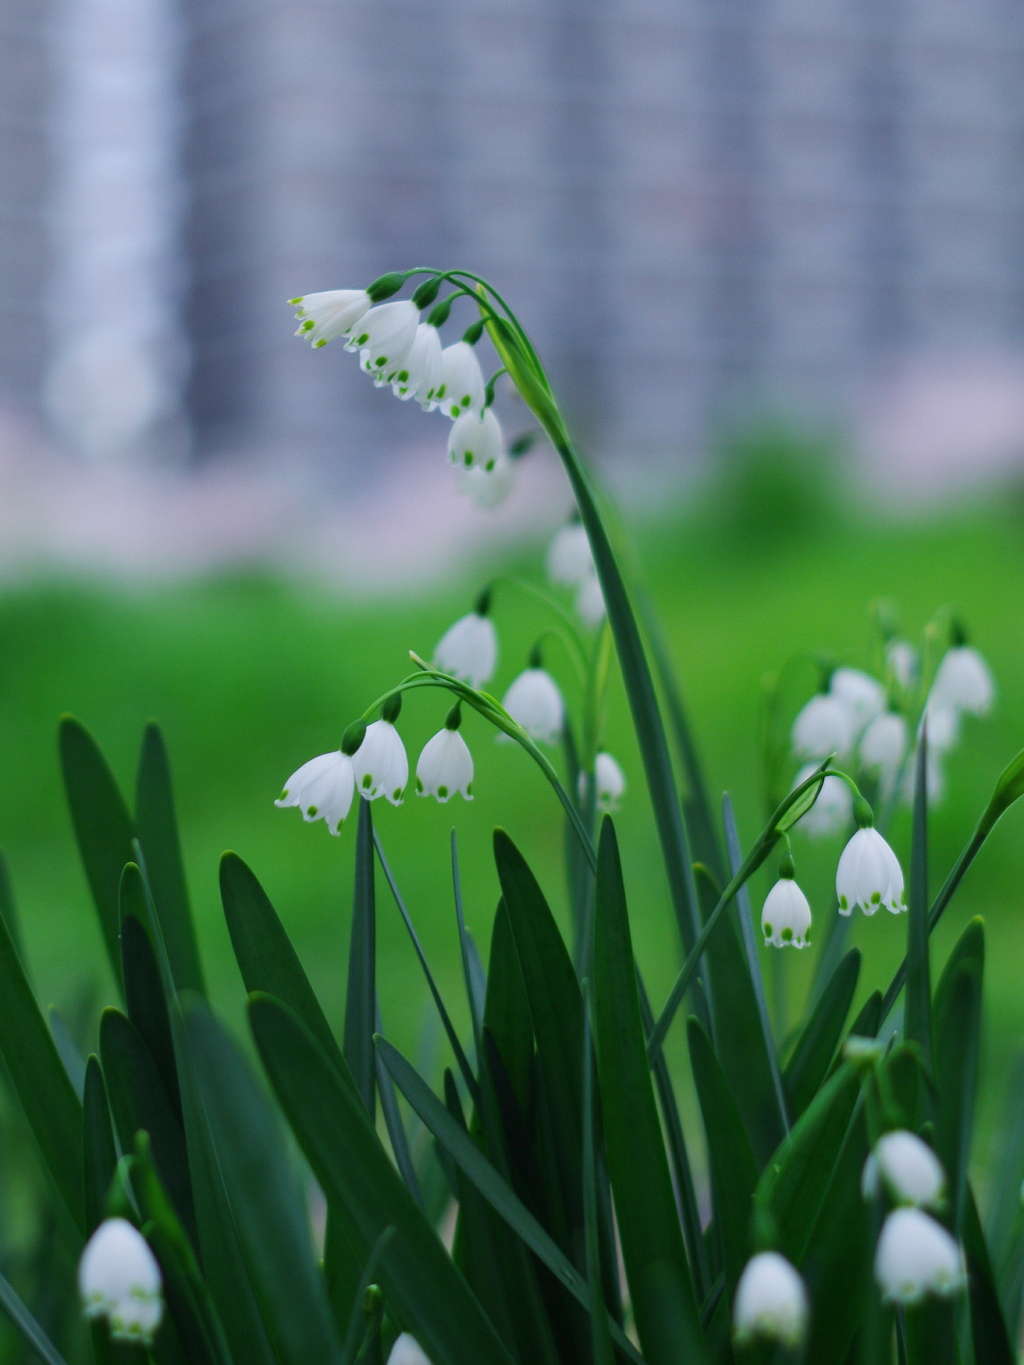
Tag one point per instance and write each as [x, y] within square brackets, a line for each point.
[916, 1257]
[353, 737]
[821, 728]
[427, 292]
[392, 708]
[386, 285]
[910, 1170]
[407, 1351]
[770, 1303]
[119, 1279]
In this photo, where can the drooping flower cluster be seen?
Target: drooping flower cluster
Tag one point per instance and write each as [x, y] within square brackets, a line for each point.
[372, 759]
[399, 350]
[119, 1279]
[915, 1256]
[869, 723]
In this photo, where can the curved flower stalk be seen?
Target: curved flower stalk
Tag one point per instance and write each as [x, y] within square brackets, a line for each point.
[833, 810]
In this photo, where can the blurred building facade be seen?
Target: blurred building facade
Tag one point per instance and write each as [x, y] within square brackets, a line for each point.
[702, 208]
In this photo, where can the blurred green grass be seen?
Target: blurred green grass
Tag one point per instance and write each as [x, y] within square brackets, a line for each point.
[250, 675]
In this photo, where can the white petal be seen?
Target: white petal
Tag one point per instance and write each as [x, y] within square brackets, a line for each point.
[407, 1351]
[611, 783]
[117, 1265]
[883, 746]
[822, 727]
[862, 695]
[915, 1257]
[322, 789]
[771, 1301]
[569, 558]
[489, 486]
[476, 441]
[869, 875]
[469, 649]
[445, 767]
[331, 313]
[786, 915]
[832, 811]
[901, 656]
[462, 386]
[380, 766]
[384, 338]
[420, 373]
[963, 681]
[535, 703]
[911, 1170]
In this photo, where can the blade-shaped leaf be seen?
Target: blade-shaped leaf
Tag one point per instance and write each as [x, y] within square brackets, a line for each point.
[331, 1125]
[652, 1242]
[957, 1041]
[47, 1096]
[733, 1169]
[26, 1324]
[145, 1001]
[476, 987]
[9, 908]
[266, 958]
[361, 995]
[917, 1008]
[138, 1100]
[103, 827]
[393, 1123]
[817, 1043]
[988, 1327]
[507, 1009]
[74, 1062]
[268, 1213]
[556, 1012]
[156, 828]
[603, 1352]
[469, 1158]
[99, 1153]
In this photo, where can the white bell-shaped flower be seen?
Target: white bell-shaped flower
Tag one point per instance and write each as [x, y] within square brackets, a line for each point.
[869, 875]
[446, 766]
[883, 746]
[469, 649]
[861, 694]
[935, 777]
[963, 681]
[915, 1257]
[330, 314]
[535, 703]
[909, 1169]
[609, 783]
[384, 339]
[943, 725]
[407, 1351]
[380, 766]
[119, 1279]
[419, 374]
[902, 660]
[771, 1302]
[462, 388]
[590, 604]
[785, 915]
[488, 485]
[322, 789]
[833, 808]
[569, 558]
[475, 441]
[824, 726]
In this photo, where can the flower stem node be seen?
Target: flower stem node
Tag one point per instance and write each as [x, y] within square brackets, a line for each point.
[534, 702]
[822, 727]
[329, 314]
[462, 388]
[916, 1257]
[407, 1351]
[786, 914]
[771, 1302]
[476, 441]
[869, 875]
[119, 1279]
[380, 766]
[384, 339]
[469, 649]
[446, 766]
[322, 789]
[908, 1169]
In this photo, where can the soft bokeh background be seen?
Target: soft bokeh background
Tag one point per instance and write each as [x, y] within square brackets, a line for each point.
[773, 258]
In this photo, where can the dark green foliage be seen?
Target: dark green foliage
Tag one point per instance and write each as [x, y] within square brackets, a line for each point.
[816, 1044]
[361, 997]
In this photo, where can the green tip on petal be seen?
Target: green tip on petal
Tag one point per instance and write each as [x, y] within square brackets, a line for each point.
[294, 302]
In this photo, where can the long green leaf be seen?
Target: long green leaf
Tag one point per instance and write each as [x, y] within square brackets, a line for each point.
[652, 1242]
[138, 1100]
[145, 1001]
[268, 1212]
[988, 1327]
[469, 1158]
[817, 1042]
[99, 1153]
[507, 1009]
[733, 1169]
[74, 1062]
[103, 827]
[471, 971]
[9, 907]
[604, 1353]
[157, 831]
[361, 994]
[917, 1008]
[395, 1126]
[27, 1326]
[556, 1011]
[957, 1042]
[47, 1096]
[331, 1125]
[266, 958]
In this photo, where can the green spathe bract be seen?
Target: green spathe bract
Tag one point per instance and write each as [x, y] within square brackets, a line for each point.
[563, 1147]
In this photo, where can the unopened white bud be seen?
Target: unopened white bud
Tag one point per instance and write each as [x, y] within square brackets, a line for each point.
[407, 1351]
[119, 1279]
[915, 1257]
[901, 656]
[610, 783]
[909, 1169]
[786, 915]
[869, 875]
[822, 727]
[322, 789]
[469, 649]
[771, 1302]
[535, 703]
